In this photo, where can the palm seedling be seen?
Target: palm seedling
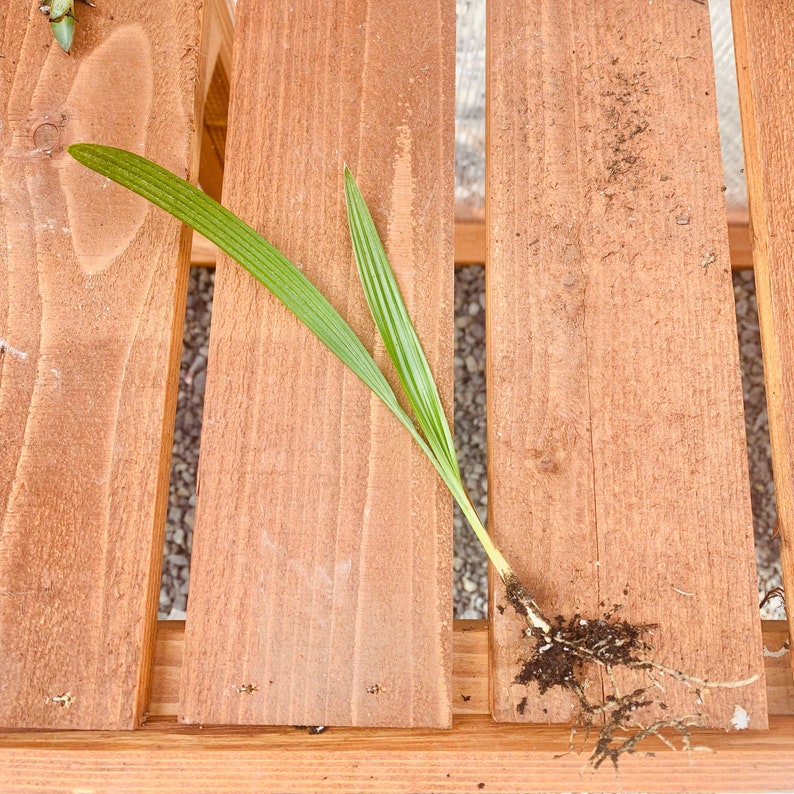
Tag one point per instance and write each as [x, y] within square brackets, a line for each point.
[558, 651]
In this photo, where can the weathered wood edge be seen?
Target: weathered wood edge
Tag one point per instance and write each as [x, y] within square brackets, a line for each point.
[763, 37]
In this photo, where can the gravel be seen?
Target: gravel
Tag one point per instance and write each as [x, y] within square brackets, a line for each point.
[469, 566]
[175, 579]
[756, 420]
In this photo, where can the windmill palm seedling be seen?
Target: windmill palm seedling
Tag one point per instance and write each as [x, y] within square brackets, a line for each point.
[558, 652]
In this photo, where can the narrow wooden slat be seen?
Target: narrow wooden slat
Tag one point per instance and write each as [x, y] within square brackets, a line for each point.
[469, 243]
[213, 138]
[476, 755]
[203, 253]
[618, 460]
[332, 513]
[469, 248]
[470, 682]
[741, 246]
[764, 36]
[91, 308]
[218, 43]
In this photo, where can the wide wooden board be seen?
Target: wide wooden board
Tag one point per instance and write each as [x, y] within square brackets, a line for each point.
[617, 451]
[320, 585]
[764, 37]
[92, 284]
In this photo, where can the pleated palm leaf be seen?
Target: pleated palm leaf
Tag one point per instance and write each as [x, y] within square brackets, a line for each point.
[304, 300]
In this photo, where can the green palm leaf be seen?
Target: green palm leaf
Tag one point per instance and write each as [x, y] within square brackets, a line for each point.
[247, 247]
[305, 301]
[395, 327]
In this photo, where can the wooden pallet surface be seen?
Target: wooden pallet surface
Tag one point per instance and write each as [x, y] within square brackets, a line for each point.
[617, 451]
[475, 755]
[507, 758]
[92, 292]
[504, 757]
[470, 680]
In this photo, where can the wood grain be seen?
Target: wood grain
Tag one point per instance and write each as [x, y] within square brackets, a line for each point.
[219, 40]
[476, 755]
[514, 758]
[213, 138]
[470, 678]
[764, 34]
[91, 309]
[334, 513]
[617, 449]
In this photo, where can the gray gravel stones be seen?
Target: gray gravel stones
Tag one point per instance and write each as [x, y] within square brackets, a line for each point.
[175, 579]
[469, 564]
[762, 489]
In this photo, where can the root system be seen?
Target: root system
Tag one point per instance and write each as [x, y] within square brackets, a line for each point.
[562, 651]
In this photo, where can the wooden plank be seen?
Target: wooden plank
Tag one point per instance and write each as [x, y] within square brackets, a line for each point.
[618, 460]
[763, 36]
[476, 755]
[91, 309]
[741, 246]
[335, 512]
[469, 244]
[218, 42]
[470, 681]
[398, 770]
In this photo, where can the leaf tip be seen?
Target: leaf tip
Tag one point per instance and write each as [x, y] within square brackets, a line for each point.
[78, 151]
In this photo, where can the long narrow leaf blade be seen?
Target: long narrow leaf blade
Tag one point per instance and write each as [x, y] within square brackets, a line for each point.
[282, 278]
[395, 327]
[252, 251]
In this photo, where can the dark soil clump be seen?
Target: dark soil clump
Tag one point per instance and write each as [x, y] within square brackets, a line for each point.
[561, 651]
[576, 642]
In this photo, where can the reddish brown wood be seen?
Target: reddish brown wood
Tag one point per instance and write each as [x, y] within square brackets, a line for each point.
[470, 679]
[764, 35]
[334, 512]
[470, 246]
[510, 758]
[618, 462]
[218, 47]
[91, 310]
[503, 758]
